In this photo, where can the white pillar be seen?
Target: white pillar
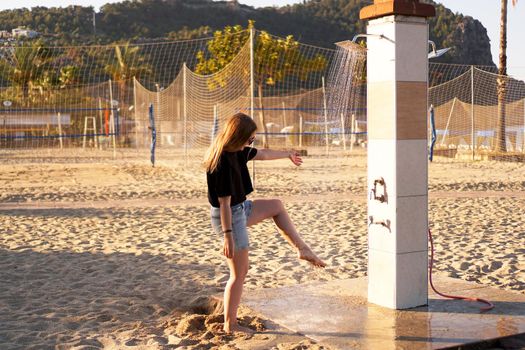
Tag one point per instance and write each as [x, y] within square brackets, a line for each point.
[397, 157]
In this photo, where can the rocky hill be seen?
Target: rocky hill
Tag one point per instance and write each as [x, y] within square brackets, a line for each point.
[316, 22]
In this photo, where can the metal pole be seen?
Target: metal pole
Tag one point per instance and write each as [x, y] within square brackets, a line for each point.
[95, 130]
[473, 136]
[85, 131]
[252, 86]
[100, 119]
[252, 73]
[523, 147]
[300, 131]
[352, 130]
[60, 130]
[159, 112]
[284, 123]
[215, 123]
[135, 113]
[343, 130]
[185, 115]
[179, 118]
[284, 115]
[433, 131]
[325, 115]
[448, 121]
[112, 119]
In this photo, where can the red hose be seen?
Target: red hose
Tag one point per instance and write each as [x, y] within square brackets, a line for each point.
[483, 309]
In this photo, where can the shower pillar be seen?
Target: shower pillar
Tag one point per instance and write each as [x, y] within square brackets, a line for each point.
[397, 74]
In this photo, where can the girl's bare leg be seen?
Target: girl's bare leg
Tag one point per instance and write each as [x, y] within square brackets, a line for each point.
[232, 293]
[274, 208]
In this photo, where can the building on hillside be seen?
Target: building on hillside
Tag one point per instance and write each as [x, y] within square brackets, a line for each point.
[24, 32]
[5, 34]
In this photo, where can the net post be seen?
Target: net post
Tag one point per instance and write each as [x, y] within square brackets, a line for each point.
[85, 131]
[284, 123]
[95, 130]
[473, 136]
[325, 114]
[159, 113]
[252, 82]
[135, 115]
[284, 115]
[300, 130]
[252, 86]
[215, 125]
[448, 121]
[343, 131]
[59, 119]
[101, 117]
[523, 147]
[185, 114]
[353, 128]
[112, 120]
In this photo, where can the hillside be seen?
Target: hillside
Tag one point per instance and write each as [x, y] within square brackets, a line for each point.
[316, 22]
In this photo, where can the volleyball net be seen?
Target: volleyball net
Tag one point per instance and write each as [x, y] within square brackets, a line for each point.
[478, 113]
[97, 99]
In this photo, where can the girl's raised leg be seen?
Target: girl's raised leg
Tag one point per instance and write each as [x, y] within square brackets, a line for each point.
[274, 208]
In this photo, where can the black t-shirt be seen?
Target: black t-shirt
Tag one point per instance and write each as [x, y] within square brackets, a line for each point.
[231, 178]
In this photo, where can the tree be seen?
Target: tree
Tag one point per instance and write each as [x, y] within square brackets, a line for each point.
[128, 63]
[275, 60]
[502, 79]
[26, 66]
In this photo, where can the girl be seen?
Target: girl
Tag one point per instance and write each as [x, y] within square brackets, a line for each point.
[228, 185]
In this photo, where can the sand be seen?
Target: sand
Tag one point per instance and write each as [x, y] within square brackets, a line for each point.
[115, 254]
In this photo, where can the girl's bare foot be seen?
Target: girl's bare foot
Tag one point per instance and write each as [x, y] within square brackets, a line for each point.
[235, 328]
[306, 253]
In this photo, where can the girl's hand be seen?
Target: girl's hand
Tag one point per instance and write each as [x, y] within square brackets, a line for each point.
[295, 158]
[229, 245]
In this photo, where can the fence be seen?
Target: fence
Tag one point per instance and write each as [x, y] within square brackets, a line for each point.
[474, 120]
[97, 98]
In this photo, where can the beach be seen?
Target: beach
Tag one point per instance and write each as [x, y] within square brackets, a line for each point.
[113, 254]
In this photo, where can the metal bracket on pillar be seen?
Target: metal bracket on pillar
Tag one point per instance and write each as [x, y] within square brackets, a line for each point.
[374, 193]
[384, 223]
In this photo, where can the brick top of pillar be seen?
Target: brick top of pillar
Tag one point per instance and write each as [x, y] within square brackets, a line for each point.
[382, 8]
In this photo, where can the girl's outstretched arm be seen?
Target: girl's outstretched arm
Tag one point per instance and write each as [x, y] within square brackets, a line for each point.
[270, 154]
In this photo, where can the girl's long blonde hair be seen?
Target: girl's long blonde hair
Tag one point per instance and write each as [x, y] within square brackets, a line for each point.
[238, 129]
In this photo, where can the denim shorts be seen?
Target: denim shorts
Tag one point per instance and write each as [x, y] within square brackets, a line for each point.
[240, 214]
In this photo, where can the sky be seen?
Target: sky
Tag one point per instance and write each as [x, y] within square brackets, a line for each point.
[487, 11]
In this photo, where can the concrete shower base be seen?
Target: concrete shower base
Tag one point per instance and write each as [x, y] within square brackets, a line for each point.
[337, 314]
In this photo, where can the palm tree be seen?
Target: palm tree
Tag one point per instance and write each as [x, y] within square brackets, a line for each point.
[23, 66]
[502, 80]
[128, 63]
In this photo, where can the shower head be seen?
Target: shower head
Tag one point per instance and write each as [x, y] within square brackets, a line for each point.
[436, 53]
[350, 45]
